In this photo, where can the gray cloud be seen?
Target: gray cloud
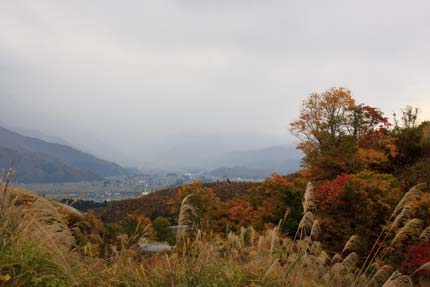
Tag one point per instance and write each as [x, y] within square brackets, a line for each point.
[130, 79]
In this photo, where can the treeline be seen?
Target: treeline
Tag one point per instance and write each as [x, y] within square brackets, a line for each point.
[85, 205]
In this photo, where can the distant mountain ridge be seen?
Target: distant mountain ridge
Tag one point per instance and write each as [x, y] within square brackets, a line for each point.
[32, 133]
[36, 160]
[280, 158]
[258, 163]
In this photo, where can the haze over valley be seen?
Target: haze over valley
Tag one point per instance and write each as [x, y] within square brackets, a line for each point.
[187, 143]
[50, 166]
[173, 85]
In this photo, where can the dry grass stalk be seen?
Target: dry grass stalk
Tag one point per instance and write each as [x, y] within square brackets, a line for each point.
[4, 187]
[380, 277]
[424, 267]
[316, 248]
[398, 280]
[411, 196]
[274, 240]
[34, 219]
[336, 258]
[271, 268]
[412, 227]
[309, 203]
[351, 244]
[350, 261]
[305, 225]
[315, 230]
[407, 212]
[425, 235]
[186, 214]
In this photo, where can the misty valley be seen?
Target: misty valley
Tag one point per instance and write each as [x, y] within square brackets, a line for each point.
[165, 143]
[362, 188]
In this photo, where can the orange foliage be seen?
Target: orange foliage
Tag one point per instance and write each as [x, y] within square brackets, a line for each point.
[241, 212]
[337, 135]
[304, 175]
[269, 207]
[322, 115]
[389, 145]
[275, 183]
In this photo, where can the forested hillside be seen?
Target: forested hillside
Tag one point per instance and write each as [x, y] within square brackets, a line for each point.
[358, 162]
[38, 161]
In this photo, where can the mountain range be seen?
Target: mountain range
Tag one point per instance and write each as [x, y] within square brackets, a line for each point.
[257, 163]
[281, 158]
[36, 160]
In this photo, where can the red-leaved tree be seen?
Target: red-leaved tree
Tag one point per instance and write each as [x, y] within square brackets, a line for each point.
[329, 193]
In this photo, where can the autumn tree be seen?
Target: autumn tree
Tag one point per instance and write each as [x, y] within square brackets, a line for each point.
[241, 212]
[206, 204]
[322, 117]
[329, 194]
[280, 195]
[367, 125]
[409, 116]
[324, 128]
[412, 164]
[355, 204]
[339, 136]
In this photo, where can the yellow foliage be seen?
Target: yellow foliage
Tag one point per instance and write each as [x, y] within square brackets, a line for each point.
[322, 115]
[371, 156]
[5, 278]
[369, 180]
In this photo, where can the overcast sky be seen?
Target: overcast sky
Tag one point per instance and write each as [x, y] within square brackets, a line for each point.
[127, 79]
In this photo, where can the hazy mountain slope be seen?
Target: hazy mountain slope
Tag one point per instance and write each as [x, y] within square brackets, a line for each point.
[36, 168]
[63, 160]
[281, 159]
[34, 134]
[202, 149]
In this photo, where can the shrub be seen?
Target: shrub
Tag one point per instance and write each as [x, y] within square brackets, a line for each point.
[417, 256]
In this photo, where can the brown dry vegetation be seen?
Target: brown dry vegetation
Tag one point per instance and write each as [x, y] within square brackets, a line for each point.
[47, 244]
